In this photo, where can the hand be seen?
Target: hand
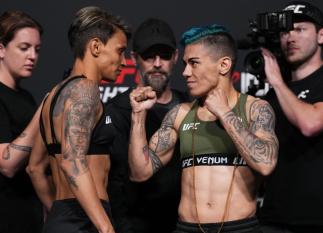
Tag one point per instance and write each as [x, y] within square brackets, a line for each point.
[272, 69]
[142, 98]
[217, 102]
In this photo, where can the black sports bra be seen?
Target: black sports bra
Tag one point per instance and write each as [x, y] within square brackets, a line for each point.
[102, 134]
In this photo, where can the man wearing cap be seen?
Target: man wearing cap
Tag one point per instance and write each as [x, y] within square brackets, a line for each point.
[293, 199]
[150, 206]
[227, 139]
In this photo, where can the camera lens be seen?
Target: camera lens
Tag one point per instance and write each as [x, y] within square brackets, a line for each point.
[254, 63]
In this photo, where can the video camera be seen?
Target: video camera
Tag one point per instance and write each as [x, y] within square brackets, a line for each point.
[265, 32]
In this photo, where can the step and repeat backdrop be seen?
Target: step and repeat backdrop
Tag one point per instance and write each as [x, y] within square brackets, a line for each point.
[55, 16]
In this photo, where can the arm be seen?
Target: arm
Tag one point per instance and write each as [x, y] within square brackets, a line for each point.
[257, 144]
[146, 160]
[305, 116]
[15, 154]
[79, 117]
[36, 169]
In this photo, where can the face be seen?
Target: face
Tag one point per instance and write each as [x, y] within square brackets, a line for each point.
[300, 44]
[21, 53]
[201, 70]
[112, 56]
[156, 65]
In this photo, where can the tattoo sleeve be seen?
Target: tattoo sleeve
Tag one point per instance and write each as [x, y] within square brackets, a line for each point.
[259, 142]
[79, 120]
[162, 140]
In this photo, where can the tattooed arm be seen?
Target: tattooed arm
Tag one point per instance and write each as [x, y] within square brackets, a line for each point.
[144, 160]
[258, 144]
[15, 154]
[79, 117]
[36, 169]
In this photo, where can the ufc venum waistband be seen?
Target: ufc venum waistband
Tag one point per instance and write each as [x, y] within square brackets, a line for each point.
[214, 159]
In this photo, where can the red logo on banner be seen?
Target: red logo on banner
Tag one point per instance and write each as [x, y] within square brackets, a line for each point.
[129, 71]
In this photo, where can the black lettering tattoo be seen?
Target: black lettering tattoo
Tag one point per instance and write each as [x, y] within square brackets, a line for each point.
[7, 155]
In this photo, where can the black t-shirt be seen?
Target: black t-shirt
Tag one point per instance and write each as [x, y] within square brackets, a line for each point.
[294, 192]
[20, 210]
[149, 206]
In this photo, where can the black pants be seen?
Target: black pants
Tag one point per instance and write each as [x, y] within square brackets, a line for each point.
[249, 225]
[278, 228]
[67, 216]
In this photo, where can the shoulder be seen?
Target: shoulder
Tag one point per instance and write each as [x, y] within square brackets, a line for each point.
[257, 106]
[82, 89]
[181, 111]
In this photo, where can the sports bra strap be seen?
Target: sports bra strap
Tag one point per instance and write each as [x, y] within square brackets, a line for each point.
[52, 105]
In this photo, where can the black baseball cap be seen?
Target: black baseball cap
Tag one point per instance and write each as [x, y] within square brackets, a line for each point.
[153, 32]
[304, 11]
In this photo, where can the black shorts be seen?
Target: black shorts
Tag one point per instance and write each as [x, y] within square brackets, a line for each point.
[248, 225]
[67, 216]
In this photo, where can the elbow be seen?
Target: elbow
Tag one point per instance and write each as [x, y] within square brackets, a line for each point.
[310, 129]
[32, 171]
[267, 170]
[138, 177]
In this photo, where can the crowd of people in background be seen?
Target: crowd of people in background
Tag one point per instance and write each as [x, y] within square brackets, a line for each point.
[155, 159]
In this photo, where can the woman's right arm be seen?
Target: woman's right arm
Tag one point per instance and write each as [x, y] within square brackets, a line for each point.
[15, 154]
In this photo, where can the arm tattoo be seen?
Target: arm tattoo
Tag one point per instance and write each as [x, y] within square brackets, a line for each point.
[257, 149]
[79, 120]
[155, 161]
[164, 140]
[22, 135]
[7, 155]
[70, 179]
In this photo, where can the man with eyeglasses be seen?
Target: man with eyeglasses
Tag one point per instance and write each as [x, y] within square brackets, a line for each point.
[141, 207]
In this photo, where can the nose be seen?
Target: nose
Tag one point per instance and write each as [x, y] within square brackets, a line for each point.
[33, 54]
[187, 72]
[123, 61]
[157, 61]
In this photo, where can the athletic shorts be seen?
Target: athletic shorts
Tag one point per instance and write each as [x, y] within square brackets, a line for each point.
[248, 225]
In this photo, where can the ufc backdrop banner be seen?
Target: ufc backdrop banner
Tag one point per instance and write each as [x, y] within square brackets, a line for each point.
[56, 16]
[243, 81]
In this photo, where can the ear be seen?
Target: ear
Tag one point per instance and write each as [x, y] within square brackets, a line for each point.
[95, 46]
[2, 51]
[134, 56]
[225, 64]
[320, 36]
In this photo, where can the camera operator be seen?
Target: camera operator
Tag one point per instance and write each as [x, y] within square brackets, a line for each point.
[293, 199]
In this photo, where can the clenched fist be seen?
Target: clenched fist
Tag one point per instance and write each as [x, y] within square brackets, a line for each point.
[217, 102]
[142, 98]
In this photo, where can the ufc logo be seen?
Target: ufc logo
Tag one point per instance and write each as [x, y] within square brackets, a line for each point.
[295, 8]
